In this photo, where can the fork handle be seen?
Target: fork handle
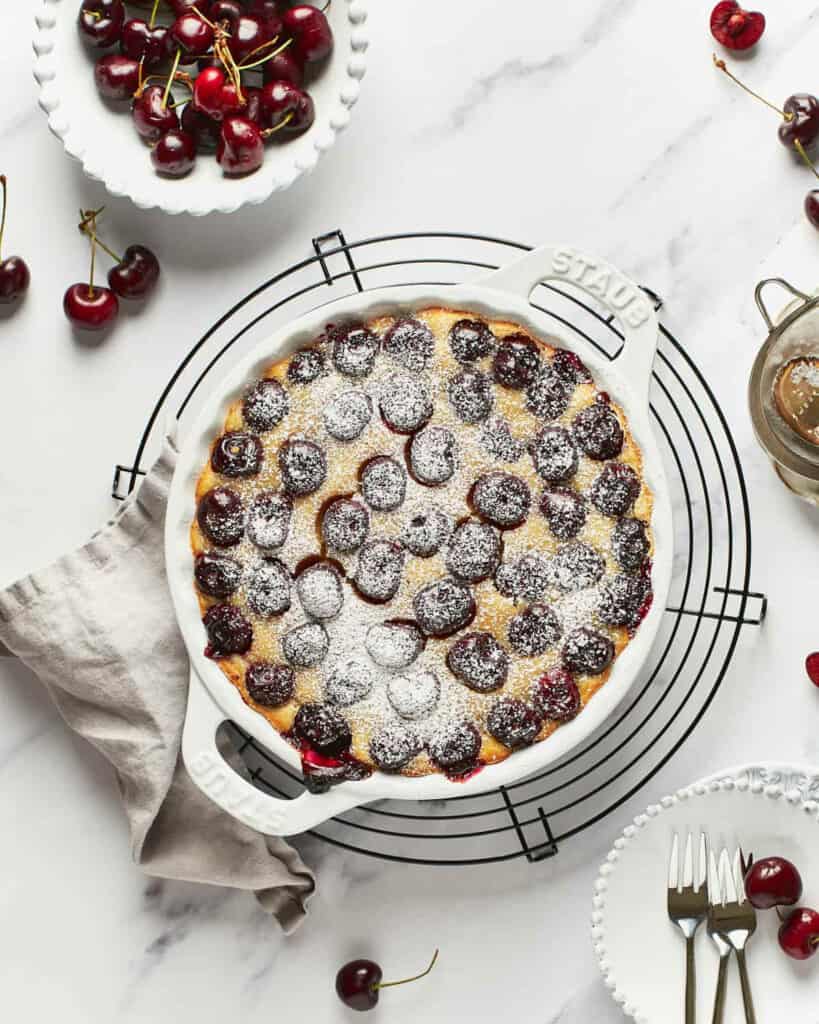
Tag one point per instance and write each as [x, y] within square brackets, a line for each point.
[748, 1003]
[719, 995]
[690, 982]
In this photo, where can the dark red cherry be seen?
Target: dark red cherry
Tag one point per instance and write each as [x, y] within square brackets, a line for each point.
[502, 499]
[394, 746]
[136, 275]
[141, 42]
[534, 630]
[303, 466]
[471, 340]
[615, 490]
[14, 280]
[202, 128]
[525, 578]
[116, 77]
[226, 10]
[324, 728]
[472, 395]
[425, 532]
[576, 566]
[241, 146]
[379, 570]
[629, 543]
[237, 454]
[803, 123]
[812, 206]
[345, 525]
[174, 155]
[454, 748]
[443, 607]
[478, 660]
[248, 34]
[474, 551]
[311, 31]
[547, 396]
[405, 403]
[217, 575]
[284, 67]
[587, 652]
[306, 365]
[735, 28]
[554, 455]
[357, 984]
[100, 21]
[622, 599]
[516, 362]
[570, 367]
[268, 519]
[191, 36]
[773, 882]
[812, 667]
[268, 587]
[306, 646]
[270, 685]
[383, 483]
[270, 11]
[152, 117]
[513, 723]
[799, 934]
[215, 96]
[228, 631]
[409, 342]
[353, 349]
[565, 512]
[287, 108]
[597, 431]
[90, 308]
[556, 696]
[433, 455]
[265, 404]
[221, 516]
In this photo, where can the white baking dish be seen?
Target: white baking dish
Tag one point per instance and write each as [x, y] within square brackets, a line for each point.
[213, 698]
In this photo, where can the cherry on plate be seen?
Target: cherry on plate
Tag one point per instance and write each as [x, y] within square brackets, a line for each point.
[100, 22]
[287, 108]
[116, 76]
[799, 934]
[735, 28]
[311, 31]
[191, 36]
[773, 882]
[142, 42]
[358, 983]
[241, 146]
[174, 154]
[249, 33]
[215, 96]
[284, 67]
[152, 116]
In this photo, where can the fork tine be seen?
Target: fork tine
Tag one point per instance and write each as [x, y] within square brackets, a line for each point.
[674, 863]
[714, 896]
[688, 862]
[702, 865]
[729, 890]
[739, 880]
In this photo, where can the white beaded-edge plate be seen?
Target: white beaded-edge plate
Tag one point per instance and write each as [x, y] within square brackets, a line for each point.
[769, 809]
[102, 137]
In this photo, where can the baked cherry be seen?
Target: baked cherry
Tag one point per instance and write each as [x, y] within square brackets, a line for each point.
[151, 114]
[89, 307]
[248, 34]
[615, 490]
[379, 570]
[773, 882]
[215, 96]
[621, 600]
[267, 587]
[323, 728]
[556, 696]
[410, 343]
[191, 36]
[587, 652]
[425, 532]
[217, 575]
[524, 579]
[576, 566]
[347, 415]
[116, 77]
[629, 543]
[265, 404]
[394, 746]
[306, 365]
[570, 367]
[812, 667]
[547, 396]
[228, 631]
[345, 525]
[358, 983]
[597, 431]
[414, 697]
[100, 21]
[311, 32]
[405, 403]
[269, 684]
[554, 455]
[320, 590]
[237, 454]
[534, 630]
[141, 41]
[221, 517]
[285, 66]
[472, 395]
[565, 512]
[303, 466]
[14, 273]
[394, 644]
[135, 275]
[350, 681]
[474, 551]
[479, 661]
[241, 147]
[516, 362]
[735, 28]
[502, 499]
[204, 129]
[433, 455]
[443, 607]
[383, 483]
[471, 340]
[286, 108]
[799, 934]
[499, 443]
[454, 747]
[354, 348]
[513, 723]
[174, 154]
[268, 520]
[306, 646]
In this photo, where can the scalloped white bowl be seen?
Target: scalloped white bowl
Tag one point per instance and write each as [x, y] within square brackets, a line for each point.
[101, 136]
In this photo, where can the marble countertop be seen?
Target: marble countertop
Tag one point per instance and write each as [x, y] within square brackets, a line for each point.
[604, 126]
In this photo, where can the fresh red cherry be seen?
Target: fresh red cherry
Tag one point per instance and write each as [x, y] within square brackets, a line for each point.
[799, 934]
[136, 274]
[174, 155]
[284, 67]
[773, 882]
[241, 146]
[89, 307]
[100, 21]
[141, 42]
[116, 77]
[249, 33]
[812, 660]
[14, 275]
[287, 108]
[311, 31]
[226, 10]
[204, 129]
[152, 117]
[735, 28]
[191, 36]
[270, 11]
[215, 96]
[358, 983]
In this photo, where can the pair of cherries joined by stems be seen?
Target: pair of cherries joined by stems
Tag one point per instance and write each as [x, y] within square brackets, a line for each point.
[92, 307]
[229, 41]
[14, 274]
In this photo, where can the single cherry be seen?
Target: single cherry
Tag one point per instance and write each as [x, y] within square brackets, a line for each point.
[799, 934]
[215, 96]
[773, 882]
[14, 275]
[241, 146]
[100, 21]
[735, 28]
[249, 34]
[812, 213]
[152, 115]
[191, 36]
[144, 42]
[136, 273]
[174, 155]
[116, 77]
[311, 31]
[812, 667]
[89, 307]
[358, 983]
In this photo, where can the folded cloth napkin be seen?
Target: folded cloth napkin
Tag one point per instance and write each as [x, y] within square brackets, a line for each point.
[99, 630]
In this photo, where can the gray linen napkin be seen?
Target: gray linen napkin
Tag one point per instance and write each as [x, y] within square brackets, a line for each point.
[98, 628]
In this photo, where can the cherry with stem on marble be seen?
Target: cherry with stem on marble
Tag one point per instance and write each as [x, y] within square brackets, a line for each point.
[87, 306]
[359, 984]
[14, 274]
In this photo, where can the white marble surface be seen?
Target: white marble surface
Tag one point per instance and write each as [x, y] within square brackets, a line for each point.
[598, 123]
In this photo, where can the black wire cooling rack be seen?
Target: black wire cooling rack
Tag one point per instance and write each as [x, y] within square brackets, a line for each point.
[709, 604]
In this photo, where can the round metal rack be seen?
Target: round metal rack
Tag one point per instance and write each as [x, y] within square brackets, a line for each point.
[709, 604]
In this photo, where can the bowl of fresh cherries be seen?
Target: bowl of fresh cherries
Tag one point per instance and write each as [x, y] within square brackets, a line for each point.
[198, 106]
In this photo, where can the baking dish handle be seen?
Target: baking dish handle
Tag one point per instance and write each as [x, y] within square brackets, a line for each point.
[625, 300]
[215, 777]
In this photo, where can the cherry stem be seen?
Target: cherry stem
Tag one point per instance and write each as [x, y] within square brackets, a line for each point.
[800, 149]
[222, 51]
[93, 263]
[90, 217]
[267, 57]
[405, 981]
[207, 21]
[720, 63]
[174, 69]
[285, 120]
[94, 15]
[4, 187]
[154, 12]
